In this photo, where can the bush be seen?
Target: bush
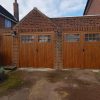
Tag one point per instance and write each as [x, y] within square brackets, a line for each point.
[2, 74]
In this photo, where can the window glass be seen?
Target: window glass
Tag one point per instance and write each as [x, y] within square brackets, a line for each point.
[92, 37]
[27, 38]
[72, 37]
[44, 38]
[7, 23]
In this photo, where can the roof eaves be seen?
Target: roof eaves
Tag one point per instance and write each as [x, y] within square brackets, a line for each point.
[88, 4]
[8, 18]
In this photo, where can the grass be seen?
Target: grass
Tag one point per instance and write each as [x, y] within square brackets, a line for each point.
[14, 81]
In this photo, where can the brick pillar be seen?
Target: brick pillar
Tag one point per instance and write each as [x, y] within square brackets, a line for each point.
[58, 51]
[15, 52]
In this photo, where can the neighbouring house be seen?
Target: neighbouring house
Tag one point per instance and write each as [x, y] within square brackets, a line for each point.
[7, 22]
[92, 7]
[41, 42]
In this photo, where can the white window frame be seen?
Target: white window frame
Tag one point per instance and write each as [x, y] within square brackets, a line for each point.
[92, 37]
[28, 38]
[72, 37]
[7, 23]
[44, 38]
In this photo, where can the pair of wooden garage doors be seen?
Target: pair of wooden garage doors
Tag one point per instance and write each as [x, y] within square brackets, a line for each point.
[78, 50]
[36, 51]
[81, 50]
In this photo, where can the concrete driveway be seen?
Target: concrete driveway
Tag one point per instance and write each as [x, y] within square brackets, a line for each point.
[58, 85]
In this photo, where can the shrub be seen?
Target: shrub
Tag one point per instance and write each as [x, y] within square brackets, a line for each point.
[2, 74]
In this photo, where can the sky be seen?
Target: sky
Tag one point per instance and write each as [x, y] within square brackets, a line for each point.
[51, 8]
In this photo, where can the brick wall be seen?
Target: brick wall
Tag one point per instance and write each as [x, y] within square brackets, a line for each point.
[94, 8]
[78, 24]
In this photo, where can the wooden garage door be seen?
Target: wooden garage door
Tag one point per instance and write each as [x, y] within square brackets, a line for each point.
[81, 50]
[37, 51]
[92, 50]
[72, 51]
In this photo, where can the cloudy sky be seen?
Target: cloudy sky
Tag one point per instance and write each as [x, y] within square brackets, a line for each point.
[52, 8]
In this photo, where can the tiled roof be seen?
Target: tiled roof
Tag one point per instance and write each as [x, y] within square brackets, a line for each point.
[6, 14]
[35, 20]
[75, 23]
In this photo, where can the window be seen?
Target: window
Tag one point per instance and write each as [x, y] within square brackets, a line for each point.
[27, 38]
[44, 38]
[7, 23]
[72, 37]
[92, 37]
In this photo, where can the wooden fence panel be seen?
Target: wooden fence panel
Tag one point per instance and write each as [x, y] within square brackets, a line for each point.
[6, 50]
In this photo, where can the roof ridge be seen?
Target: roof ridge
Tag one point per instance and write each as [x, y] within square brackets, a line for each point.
[36, 9]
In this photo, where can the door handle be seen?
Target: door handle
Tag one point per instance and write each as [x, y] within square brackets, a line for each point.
[36, 50]
[83, 50]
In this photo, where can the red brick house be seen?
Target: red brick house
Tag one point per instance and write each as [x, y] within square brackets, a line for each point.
[42, 42]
